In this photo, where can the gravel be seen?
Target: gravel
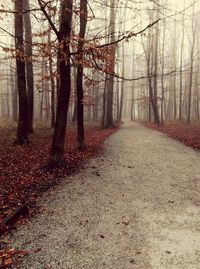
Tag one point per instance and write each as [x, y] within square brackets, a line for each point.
[137, 205]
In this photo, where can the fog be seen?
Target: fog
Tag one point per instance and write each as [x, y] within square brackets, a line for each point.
[130, 63]
[73, 75]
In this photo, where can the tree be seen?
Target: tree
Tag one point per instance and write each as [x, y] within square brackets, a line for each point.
[151, 56]
[57, 148]
[155, 81]
[181, 68]
[174, 67]
[133, 88]
[53, 89]
[123, 67]
[79, 81]
[110, 78]
[29, 64]
[194, 30]
[53, 85]
[22, 129]
[163, 69]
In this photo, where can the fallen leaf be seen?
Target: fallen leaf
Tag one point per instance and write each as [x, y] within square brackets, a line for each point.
[8, 262]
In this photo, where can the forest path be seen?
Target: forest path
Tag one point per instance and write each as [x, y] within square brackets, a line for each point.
[137, 205]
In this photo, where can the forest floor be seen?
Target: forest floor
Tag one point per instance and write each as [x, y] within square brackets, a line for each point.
[23, 176]
[137, 205]
[188, 134]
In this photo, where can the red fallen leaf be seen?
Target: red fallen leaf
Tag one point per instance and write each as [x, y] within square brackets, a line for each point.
[8, 262]
[22, 177]
[187, 134]
[12, 252]
[22, 253]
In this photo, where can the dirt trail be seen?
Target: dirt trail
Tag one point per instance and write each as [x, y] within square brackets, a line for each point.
[135, 206]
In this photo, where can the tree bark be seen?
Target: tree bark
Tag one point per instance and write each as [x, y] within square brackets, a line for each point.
[104, 103]
[74, 117]
[53, 86]
[110, 82]
[155, 85]
[162, 78]
[79, 83]
[29, 65]
[14, 95]
[194, 28]
[57, 149]
[133, 88]
[22, 129]
[181, 70]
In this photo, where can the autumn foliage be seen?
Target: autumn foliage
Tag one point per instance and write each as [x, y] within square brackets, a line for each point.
[23, 175]
[187, 134]
[10, 256]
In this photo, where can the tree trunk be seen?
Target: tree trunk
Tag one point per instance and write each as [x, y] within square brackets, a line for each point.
[155, 93]
[14, 95]
[123, 66]
[74, 117]
[29, 65]
[22, 129]
[122, 85]
[174, 67]
[110, 82]
[194, 28]
[197, 81]
[151, 55]
[53, 87]
[104, 104]
[162, 78]
[57, 149]
[181, 70]
[79, 83]
[133, 89]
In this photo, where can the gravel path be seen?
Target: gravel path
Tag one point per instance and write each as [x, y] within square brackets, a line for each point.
[135, 206]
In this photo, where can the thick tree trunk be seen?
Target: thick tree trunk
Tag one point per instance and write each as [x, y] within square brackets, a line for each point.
[57, 148]
[22, 130]
[29, 65]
